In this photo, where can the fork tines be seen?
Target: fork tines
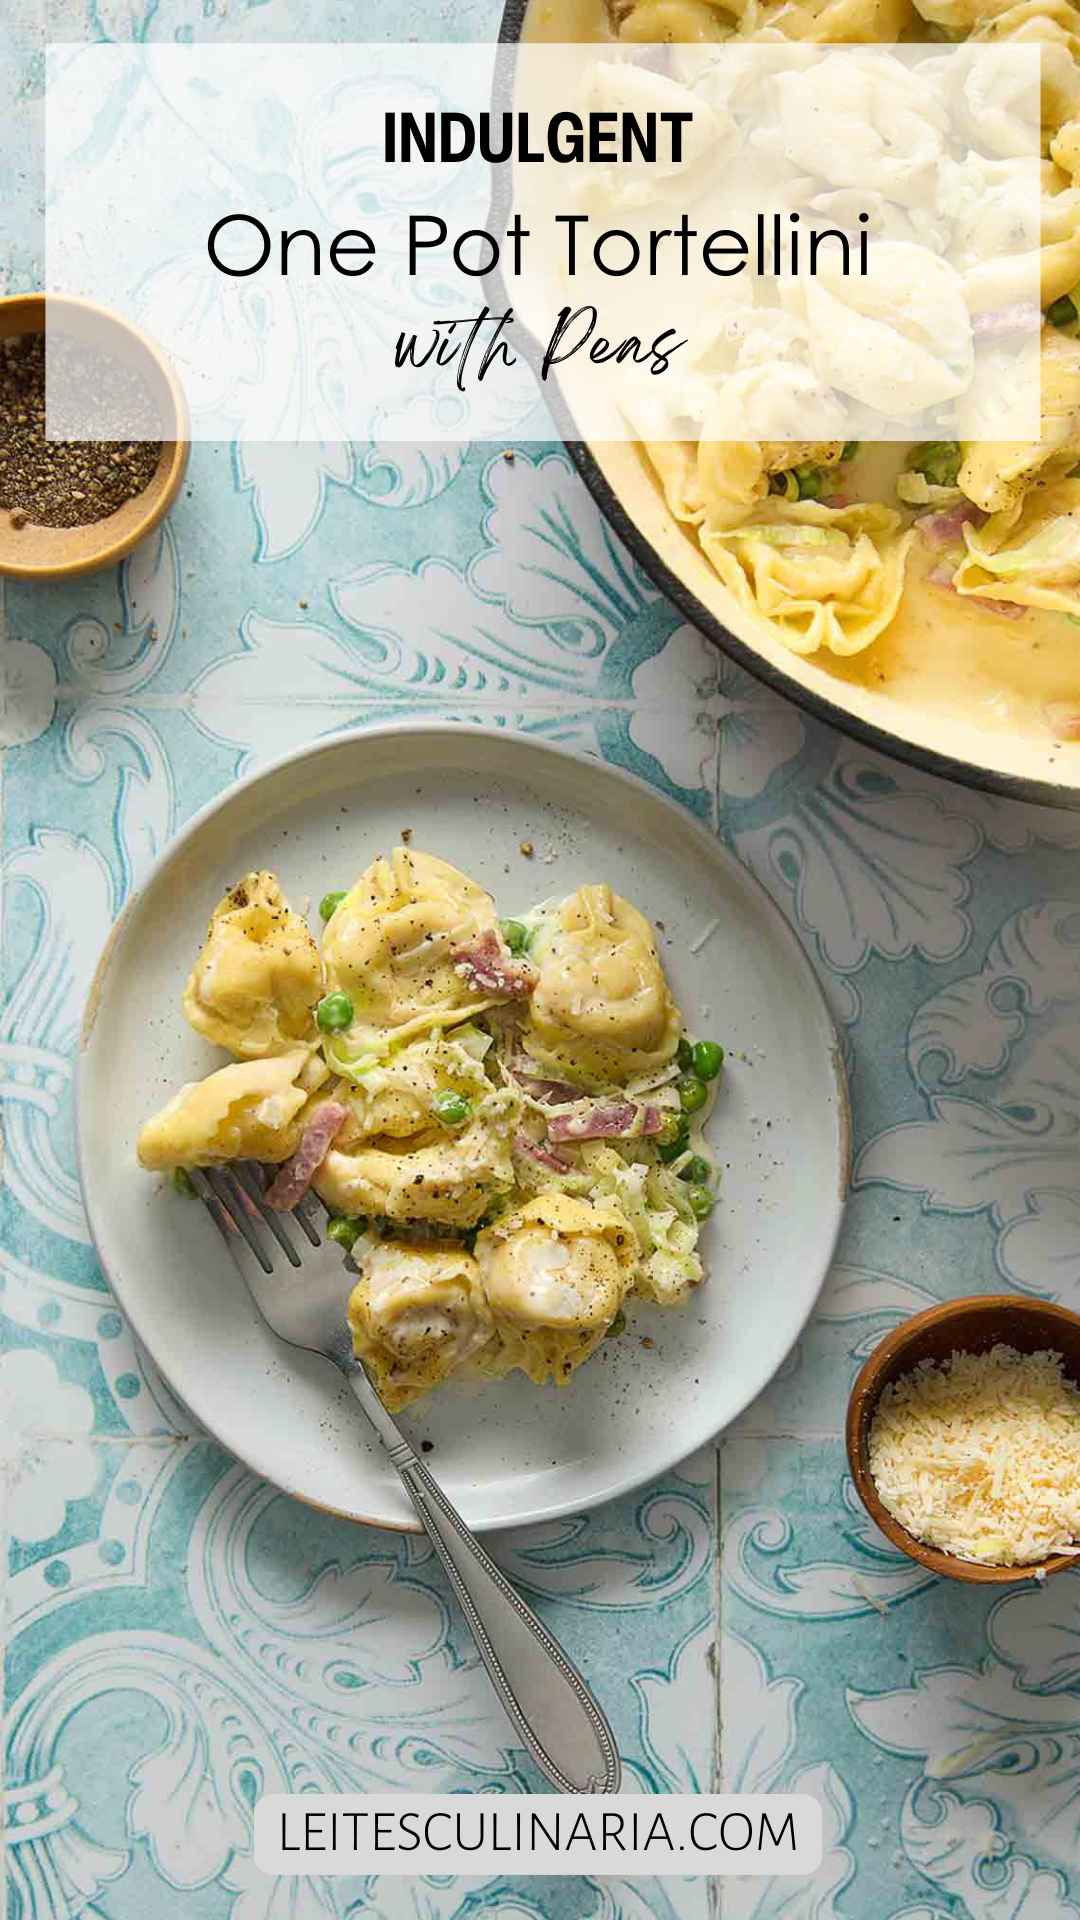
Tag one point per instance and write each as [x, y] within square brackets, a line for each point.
[234, 1197]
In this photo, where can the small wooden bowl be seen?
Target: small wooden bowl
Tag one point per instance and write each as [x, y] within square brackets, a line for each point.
[56, 553]
[971, 1325]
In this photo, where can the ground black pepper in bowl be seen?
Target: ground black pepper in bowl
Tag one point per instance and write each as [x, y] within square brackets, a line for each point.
[69, 482]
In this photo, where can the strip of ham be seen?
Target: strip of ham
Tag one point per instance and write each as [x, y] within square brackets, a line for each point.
[489, 966]
[610, 1120]
[544, 1156]
[550, 1093]
[1000, 323]
[295, 1177]
[947, 529]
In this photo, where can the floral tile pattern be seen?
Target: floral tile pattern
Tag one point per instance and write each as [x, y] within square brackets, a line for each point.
[180, 1637]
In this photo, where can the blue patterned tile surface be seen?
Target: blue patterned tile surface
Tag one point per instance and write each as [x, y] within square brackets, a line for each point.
[180, 1637]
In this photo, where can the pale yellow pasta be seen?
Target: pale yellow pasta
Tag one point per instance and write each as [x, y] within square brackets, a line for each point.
[432, 1176]
[685, 21]
[818, 21]
[732, 478]
[832, 22]
[996, 474]
[392, 947]
[716, 483]
[961, 17]
[1059, 267]
[675, 463]
[255, 985]
[1065, 149]
[1054, 25]
[781, 455]
[554, 1273]
[1028, 555]
[417, 1315]
[602, 1011]
[252, 1110]
[822, 576]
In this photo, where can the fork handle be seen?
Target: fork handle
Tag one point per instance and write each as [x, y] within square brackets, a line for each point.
[547, 1700]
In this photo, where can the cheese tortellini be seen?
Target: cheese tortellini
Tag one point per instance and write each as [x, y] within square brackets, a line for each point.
[1028, 555]
[392, 943]
[255, 984]
[996, 475]
[824, 576]
[491, 1111]
[715, 483]
[803, 533]
[448, 1178]
[555, 1273]
[249, 1111]
[417, 1314]
[602, 1011]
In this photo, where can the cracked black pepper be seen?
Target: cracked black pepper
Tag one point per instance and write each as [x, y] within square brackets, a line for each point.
[67, 482]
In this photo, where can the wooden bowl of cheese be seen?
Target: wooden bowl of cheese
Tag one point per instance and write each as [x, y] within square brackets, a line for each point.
[963, 1437]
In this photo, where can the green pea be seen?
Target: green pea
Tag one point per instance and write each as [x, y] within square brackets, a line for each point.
[708, 1059]
[685, 1054]
[809, 481]
[697, 1170]
[849, 450]
[183, 1182]
[1061, 313]
[673, 1134]
[701, 1202]
[451, 1109]
[939, 461]
[335, 1013]
[345, 1229]
[330, 903]
[515, 935]
[693, 1092]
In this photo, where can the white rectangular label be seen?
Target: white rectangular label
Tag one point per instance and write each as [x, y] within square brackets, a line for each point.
[743, 242]
[666, 1834]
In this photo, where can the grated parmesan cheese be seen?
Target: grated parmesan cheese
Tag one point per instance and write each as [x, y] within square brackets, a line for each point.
[980, 1455]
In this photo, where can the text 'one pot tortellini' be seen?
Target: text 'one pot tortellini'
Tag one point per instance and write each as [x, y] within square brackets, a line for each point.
[417, 1314]
[255, 985]
[601, 1010]
[502, 1117]
[394, 945]
[555, 1273]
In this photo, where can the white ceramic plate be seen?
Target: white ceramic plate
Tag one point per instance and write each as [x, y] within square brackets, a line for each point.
[509, 1453]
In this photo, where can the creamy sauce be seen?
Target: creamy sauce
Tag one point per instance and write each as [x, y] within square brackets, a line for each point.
[418, 1325]
[942, 655]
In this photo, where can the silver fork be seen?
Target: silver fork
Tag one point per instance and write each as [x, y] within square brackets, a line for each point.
[551, 1708]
